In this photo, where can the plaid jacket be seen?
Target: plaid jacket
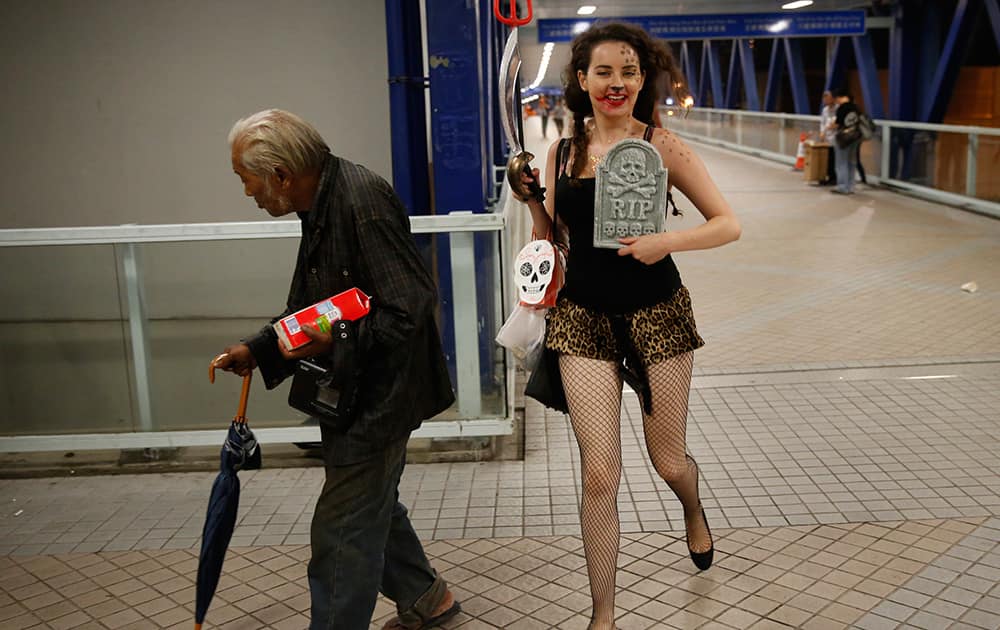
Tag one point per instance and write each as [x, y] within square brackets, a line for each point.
[358, 235]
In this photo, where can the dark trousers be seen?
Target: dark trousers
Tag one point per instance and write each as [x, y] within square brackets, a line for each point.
[831, 166]
[363, 544]
[861, 167]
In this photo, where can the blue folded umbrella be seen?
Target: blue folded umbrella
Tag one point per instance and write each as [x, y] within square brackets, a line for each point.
[240, 451]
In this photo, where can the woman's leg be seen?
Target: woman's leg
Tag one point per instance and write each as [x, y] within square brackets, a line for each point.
[666, 440]
[594, 394]
[861, 167]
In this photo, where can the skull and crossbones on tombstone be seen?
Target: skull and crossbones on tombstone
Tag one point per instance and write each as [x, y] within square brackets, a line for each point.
[632, 166]
[631, 193]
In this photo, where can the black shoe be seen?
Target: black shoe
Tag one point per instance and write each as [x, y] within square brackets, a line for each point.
[703, 559]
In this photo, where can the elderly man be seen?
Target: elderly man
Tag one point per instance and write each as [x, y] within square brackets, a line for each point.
[355, 233]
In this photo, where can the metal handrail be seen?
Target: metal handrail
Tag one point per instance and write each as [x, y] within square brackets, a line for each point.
[241, 230]
[750, 113]
[896, 124]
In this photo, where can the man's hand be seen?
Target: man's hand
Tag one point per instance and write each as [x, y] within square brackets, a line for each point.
[321, 343]
[236, 359]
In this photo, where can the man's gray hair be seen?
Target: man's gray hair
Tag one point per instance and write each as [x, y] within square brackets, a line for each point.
[275, 138]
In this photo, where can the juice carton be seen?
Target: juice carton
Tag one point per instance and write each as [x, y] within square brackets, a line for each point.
[350, 305]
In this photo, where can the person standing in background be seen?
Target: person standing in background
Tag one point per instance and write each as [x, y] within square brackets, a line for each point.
[559, 116]
[827, 131]
[846, 151]
[857, 157]
[543, 111]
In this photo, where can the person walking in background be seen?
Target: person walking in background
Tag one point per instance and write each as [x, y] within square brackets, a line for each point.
[355, 233]
[629, 300]
[847, 138]
[827, 131]
[543, 111]
[857, 156]
[559, 115]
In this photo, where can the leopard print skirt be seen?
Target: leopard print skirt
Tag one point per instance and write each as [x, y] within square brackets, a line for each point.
[658, 332]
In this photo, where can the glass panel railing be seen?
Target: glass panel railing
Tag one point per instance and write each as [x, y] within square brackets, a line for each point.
[949, 163]
[116, 336]
[66, 363]
[199, 298]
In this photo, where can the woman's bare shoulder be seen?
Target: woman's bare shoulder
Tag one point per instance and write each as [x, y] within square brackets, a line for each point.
[672, 148]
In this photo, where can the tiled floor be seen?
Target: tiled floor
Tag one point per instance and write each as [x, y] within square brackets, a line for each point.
[844, 413]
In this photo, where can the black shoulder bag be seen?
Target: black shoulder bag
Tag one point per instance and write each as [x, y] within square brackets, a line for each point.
[326, 387]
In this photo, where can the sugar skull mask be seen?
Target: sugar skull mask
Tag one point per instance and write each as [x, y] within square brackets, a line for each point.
[533, 269]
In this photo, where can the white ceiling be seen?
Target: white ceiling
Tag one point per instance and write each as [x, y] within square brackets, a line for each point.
[531, 50]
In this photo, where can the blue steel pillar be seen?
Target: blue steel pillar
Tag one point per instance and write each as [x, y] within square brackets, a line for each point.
[904, 94]
[710, 59]
[864, 56]
[775, 73]
[456, 99]
[687, 67]
[993, 11]
[749, 75]
[407, 116]
[787, 50]
[948, 66]
[835, 74]
[733, 80]
[797, 75]
[929, 43]
[462, 63]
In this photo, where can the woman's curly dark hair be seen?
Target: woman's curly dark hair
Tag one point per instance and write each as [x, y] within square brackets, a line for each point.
[655, 59]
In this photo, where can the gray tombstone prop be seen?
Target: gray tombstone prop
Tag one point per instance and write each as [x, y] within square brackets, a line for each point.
[631, 197]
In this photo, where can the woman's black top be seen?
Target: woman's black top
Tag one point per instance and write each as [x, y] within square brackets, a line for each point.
[598, 278]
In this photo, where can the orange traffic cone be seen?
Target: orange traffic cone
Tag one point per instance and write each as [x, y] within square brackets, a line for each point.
[800, 156]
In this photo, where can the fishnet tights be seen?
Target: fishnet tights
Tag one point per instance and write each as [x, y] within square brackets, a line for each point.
[666, 439]
[593, 393]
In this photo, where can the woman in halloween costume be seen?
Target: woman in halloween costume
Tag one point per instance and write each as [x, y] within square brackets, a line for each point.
[627, 302]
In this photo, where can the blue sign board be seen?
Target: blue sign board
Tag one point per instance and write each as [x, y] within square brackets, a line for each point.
[729, 26]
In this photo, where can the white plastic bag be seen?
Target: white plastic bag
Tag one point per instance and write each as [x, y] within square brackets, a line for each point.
[524, 333]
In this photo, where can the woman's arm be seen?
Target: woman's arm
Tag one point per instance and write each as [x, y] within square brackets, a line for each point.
[541, 214]
[688, 174]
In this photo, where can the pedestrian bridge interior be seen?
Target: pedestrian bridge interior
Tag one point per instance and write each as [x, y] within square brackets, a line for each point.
[843, 411]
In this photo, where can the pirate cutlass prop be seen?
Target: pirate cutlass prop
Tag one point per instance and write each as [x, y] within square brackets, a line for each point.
[510, 64]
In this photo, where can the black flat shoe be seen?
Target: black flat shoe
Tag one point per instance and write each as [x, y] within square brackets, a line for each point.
[703, 559]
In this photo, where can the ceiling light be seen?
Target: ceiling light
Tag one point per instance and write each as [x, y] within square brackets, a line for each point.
[797, 4]
[586, 9]
[543, 67]
[778, 26]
